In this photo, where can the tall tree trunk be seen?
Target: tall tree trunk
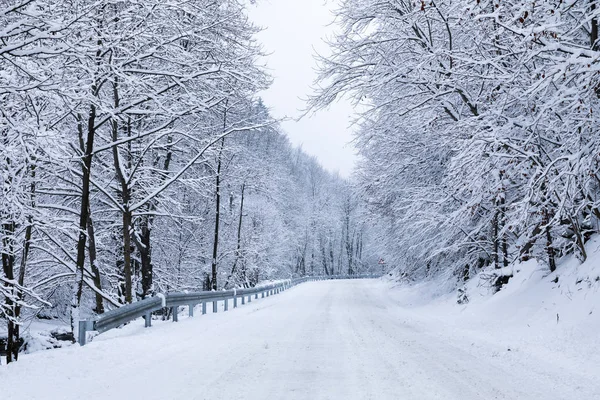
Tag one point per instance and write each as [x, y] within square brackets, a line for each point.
[144, 244]
[324, 257]
[594, 29]
[495, 240]
[331, 257]
[8, 263]
[127, 272]
[145, 250]
[126, 216]
[341, 257]
[549, 243]
[349, 246]
[238, 250]
[16, 334]
[93, 264]
[505, 260]
[86, 167]
[525, 252]
[215, 252]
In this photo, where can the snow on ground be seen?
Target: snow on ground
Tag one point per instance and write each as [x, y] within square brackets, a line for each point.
[554, 316]
[358, 339]
[42, 335]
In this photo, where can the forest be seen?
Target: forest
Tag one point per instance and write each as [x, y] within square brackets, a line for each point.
[479, 136]
[137, 157]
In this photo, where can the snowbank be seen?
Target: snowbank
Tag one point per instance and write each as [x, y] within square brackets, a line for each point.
[550, 314]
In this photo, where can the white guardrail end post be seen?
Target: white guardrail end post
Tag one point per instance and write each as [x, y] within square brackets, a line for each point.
[84, 327]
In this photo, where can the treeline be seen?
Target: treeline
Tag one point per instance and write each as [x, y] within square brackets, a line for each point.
[480, 141]
[136, 158]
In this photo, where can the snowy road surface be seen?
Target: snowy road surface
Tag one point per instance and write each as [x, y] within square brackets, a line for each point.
[320, 340]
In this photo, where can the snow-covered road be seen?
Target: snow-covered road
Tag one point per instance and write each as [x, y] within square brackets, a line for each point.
[320, 340]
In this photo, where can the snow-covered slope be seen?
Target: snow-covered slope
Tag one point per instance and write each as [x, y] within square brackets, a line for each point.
[555, 316]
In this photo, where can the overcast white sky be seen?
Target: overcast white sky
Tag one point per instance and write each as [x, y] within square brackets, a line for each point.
[294, 30]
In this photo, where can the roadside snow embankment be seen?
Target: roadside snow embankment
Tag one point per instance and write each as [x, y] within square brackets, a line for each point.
[554, 316]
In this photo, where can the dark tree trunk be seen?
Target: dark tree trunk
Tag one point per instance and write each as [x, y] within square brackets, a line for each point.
[331, 257]
[505, 260]
[86, 167]
[350, 252]
[145, 244]
[145, 250]
[525, 252]
[127, 273]
[125, 192]
[324, 257]
[238, 250]
[93, 265]
[14, 333]
[215, 252]
[8, 263]
[594, 29]
[206, 283]
[549, 244]
[579, 239]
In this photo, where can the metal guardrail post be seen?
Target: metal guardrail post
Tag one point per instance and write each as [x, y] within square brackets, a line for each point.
[191, 310]
[84, 327]
[234, 298]
[249, 298]
[148, 320]
[175, 316]
[203, 307]
[215, 305]
[226, 301]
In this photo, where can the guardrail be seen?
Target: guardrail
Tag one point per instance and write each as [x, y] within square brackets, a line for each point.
[144, 308]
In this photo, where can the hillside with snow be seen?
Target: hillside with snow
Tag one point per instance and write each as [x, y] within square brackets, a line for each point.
[554, 316]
